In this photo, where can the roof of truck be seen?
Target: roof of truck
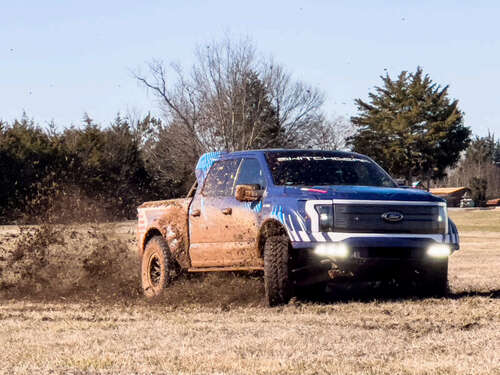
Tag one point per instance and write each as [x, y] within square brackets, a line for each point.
[288, 149]
[259, 151]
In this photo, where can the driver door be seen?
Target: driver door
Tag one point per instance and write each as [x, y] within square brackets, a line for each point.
[245, 218]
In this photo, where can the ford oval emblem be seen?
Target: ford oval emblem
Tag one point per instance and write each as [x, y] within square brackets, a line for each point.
[392, 216]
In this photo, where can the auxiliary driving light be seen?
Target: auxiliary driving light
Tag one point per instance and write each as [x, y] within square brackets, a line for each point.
[333, 250]
[439, 251]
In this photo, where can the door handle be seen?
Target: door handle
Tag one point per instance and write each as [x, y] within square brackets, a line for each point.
[195, 213]
[227, 211]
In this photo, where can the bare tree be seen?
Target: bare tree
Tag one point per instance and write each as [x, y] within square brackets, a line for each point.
[331, 134]
[298, 106]
[478, 161]
[232, 99]
[178, 103]
[230, 95]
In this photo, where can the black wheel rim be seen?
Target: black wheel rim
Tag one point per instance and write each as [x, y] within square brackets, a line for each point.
[154, 270]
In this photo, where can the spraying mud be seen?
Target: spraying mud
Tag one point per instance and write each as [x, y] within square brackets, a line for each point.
[89, 261]
[58, 260]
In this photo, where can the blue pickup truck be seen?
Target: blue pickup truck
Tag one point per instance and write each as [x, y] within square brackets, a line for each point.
[303, 217]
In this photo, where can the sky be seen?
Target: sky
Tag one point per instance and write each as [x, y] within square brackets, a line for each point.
[61, 59]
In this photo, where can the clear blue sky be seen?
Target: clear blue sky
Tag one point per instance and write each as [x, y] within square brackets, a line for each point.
[59, 59]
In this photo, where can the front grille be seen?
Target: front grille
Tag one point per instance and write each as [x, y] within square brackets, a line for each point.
[360, 218]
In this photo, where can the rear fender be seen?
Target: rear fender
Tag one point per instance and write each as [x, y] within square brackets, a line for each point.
[172, 224]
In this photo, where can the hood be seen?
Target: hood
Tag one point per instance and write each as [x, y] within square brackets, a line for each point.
[361, 193]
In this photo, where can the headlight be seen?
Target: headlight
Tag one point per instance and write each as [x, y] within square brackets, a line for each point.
[442, 219]
[325, 214]
[333, 250]
[439, 250]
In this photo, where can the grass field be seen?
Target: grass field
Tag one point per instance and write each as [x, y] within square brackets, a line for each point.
[81, 313]
[477, 220]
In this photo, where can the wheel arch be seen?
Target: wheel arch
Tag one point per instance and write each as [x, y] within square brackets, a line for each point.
[150, 233]
[270, 227]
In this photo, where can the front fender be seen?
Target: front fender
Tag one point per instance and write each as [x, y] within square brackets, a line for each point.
[454, 236]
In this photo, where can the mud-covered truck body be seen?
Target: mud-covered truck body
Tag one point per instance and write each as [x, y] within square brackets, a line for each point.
[304, 217]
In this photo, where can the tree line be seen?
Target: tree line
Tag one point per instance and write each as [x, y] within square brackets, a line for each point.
[79, 173]
[230, 99]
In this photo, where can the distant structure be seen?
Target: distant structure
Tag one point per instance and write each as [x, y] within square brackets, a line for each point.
[452, 195]
[493, 202]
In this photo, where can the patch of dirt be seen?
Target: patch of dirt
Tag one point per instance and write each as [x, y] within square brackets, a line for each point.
[217, 289]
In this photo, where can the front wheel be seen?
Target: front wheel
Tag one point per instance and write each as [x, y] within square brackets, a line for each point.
[277, 282]
[156, 266]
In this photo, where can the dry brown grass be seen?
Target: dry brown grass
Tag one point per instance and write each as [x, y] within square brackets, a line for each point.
[485, 220]
[218, 324]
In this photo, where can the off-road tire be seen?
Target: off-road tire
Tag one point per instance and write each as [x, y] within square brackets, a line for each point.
[277, 281]
[435, 279]
[156, 267]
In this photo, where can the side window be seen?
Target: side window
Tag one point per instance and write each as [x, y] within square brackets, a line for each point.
[220, 179]
[251, 174]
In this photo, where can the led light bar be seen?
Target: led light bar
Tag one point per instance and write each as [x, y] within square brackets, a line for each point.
[332, 250]
[439, 251]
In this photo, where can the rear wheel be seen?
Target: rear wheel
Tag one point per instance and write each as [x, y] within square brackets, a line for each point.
[156, 267]
[277, 282]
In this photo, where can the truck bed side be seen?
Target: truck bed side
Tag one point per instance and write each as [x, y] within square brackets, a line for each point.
[170, 219]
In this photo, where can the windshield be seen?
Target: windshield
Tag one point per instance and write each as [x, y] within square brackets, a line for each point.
[316, 168]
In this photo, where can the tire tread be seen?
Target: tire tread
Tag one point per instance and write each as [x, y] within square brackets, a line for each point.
[277, 280]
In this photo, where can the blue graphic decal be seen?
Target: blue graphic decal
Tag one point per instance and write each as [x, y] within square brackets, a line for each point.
[256, 206]
[278, 214]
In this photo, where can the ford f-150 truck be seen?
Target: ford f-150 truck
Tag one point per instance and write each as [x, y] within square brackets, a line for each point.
[303, 217]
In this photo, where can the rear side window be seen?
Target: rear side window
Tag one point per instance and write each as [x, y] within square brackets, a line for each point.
[251, 174]
[220, 179]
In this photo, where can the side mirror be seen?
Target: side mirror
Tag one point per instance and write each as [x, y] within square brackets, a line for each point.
[248, 193]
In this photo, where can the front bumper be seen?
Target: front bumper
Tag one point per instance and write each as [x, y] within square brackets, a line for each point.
[368, 258]
[379, 240]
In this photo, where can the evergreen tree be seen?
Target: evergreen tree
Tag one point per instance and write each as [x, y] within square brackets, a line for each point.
[27, 155]
[410, 127]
